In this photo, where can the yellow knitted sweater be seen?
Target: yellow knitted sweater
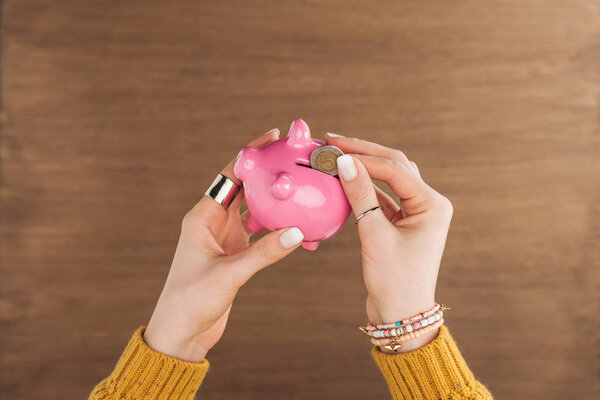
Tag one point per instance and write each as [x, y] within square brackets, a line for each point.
[435, 371]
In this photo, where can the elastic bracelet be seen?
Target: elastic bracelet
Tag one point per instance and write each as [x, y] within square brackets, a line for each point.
[390, 336]
[380, 333]
[395, 342]
[417, 317]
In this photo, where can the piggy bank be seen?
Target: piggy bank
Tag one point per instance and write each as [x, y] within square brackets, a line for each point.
[282, 190]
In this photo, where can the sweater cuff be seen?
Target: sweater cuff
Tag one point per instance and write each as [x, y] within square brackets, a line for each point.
[434, 371]
[144, 373]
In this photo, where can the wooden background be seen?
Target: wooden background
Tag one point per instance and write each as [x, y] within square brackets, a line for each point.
[116, 115]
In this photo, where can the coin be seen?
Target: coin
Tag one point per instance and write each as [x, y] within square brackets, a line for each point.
[323, 158]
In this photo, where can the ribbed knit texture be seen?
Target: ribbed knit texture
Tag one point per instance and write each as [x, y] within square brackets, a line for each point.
[143, 373]
[435, 371]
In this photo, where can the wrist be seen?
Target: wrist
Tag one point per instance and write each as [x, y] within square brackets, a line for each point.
[398, 310]
[407, 333]
[171, 345]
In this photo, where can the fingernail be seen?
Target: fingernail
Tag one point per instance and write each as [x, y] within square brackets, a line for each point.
[346, 167]
[333, 135]
[291, 237]
[274, 130]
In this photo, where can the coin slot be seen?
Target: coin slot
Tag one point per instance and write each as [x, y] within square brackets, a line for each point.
[316, 170]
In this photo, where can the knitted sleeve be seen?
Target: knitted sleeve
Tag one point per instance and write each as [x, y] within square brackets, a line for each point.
[435, 371]
[143, 373]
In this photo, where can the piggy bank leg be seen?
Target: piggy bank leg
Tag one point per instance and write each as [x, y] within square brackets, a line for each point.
[254, 225]
[310, 245]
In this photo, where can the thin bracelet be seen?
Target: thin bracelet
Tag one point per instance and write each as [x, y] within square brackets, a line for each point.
[407, 336]
[406, 321]
[394, 344]
[390, 336]
[406, 328]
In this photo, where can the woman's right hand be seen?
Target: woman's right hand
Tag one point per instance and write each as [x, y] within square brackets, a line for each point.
[212, 261]
[402, 244]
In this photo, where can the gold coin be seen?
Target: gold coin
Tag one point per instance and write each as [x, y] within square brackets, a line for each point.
[324, 158]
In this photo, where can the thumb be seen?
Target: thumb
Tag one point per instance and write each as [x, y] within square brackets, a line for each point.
[267, 250]
[360, 191]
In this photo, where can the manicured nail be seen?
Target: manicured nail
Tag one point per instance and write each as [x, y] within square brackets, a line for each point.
[291, 237]
[334, 135]
[273, 130]
[346, 167]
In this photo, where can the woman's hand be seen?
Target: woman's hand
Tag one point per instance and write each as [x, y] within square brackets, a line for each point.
[212, 261]
[402, 244]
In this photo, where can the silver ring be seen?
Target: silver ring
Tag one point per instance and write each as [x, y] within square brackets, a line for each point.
[223, 190]
[366, 212]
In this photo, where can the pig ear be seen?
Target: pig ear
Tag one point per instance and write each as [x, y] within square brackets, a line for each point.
[299, 134]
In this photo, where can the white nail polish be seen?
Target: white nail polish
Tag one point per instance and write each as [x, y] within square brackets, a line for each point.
[334, 135]
[291, 237]
[346, 167]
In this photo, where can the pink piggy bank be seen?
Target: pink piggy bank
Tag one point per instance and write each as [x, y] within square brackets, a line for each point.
[282, 190]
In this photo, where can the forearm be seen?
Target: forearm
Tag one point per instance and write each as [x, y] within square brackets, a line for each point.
[143, 373]
[434, 371]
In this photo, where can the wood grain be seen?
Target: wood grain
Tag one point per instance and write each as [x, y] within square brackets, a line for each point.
[116, 115]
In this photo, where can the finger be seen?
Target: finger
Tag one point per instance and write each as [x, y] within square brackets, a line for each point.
[390, 208]
[401, 177]
[359, 146]
[214, 208]
[266, 138]
[267, 250]
[237, 202]
[244, 217]
[416, 168]
[360, 191]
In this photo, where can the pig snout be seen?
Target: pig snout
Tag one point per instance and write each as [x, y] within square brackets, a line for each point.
[283, 187]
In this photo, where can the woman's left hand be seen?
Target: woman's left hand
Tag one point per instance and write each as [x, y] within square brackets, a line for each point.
[401, 244]
[212, 261]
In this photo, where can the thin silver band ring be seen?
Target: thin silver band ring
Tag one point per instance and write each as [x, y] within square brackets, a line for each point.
[367, 212]
[223, 190]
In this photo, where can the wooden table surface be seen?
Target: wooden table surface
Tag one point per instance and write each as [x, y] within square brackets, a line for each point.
[116, 115]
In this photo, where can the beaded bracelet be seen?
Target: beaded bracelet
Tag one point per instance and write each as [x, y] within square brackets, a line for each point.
[391, 335]
[406, 321]
[395, 342]
[406, 328]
